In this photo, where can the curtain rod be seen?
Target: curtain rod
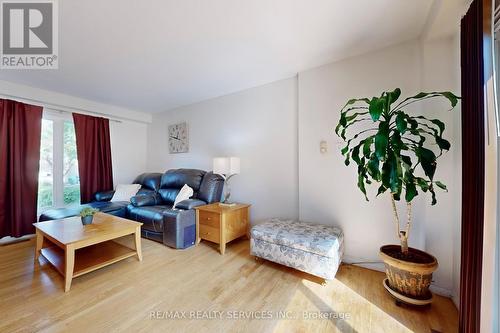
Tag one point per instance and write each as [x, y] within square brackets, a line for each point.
[59, 107]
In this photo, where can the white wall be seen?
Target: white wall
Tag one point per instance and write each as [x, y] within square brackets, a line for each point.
[441, 71]
[258, 125]
[327, 188]
[328, 191]
[276, 129]
[128, 131]
[128, 150]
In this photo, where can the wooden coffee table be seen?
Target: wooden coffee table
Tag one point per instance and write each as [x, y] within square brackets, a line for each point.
[75, 249]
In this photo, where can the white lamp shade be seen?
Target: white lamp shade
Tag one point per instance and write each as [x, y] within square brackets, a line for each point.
[227, 165]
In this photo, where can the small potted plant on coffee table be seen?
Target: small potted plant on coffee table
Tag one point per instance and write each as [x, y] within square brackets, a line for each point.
[87, 215]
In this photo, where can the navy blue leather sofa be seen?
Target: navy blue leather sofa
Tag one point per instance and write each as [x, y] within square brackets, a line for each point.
[153, 205]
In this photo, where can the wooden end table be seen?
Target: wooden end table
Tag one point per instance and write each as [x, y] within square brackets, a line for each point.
[221, 223]
[75, 249]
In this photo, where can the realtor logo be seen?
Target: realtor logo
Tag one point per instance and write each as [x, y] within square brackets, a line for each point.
[29, 34]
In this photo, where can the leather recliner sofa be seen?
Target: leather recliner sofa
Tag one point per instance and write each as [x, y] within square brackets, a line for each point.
[175, 227]
[153, 205]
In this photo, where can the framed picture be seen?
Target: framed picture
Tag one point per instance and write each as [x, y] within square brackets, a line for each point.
[178, 138]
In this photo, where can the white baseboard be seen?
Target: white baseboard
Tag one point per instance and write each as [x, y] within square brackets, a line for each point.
[12, 240]
[379, 266]
[441, 291]
[456, 299]
[375, 265]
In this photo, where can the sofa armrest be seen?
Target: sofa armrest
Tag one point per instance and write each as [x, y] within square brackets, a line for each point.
[104, 195]
[145, 200]
[190, 204]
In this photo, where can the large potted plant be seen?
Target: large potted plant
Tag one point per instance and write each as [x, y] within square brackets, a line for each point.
[397, 150]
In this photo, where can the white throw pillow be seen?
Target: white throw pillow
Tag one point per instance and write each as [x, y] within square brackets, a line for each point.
[125, 192]
[185, 193]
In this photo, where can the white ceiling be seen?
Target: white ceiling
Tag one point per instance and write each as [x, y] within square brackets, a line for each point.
[159, 54]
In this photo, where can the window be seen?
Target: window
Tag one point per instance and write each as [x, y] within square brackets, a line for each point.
[71, 181]
[58, 181]
[45, 181]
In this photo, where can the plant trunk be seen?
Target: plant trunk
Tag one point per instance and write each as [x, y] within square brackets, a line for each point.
[403, 238]
[402, 234]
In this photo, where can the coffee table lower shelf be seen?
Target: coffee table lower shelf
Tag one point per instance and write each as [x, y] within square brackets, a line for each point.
[89, 258]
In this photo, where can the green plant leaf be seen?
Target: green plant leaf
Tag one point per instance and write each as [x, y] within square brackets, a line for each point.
[373, 168]
[361, 181]
[422, 183]
[411, 189]
[413, 123]
[401, 123]
[442, 143]
[436, 122]
[435, 132]
[367, 146]
[452, 98]
[417, 133]
[354, 116]
[394, 95]
[382, 140]
[346, 148]
[376, 108]
[427, 159]
[439, 124]
[396, 143]
[355, 100]
[355, 153]
[381, 190]
[396, 174]
[347, 160]
[441, 186]
[347, 120]
[344, 130]
[406, 161]
[433, 193]
[385, 175]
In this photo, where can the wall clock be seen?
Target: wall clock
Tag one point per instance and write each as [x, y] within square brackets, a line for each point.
[178, 139]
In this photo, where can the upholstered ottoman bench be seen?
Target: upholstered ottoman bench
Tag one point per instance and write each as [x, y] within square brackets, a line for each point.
[312, 248]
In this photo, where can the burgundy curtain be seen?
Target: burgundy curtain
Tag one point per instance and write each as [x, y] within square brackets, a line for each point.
[472, 167]
[93, 148]
[20, 134]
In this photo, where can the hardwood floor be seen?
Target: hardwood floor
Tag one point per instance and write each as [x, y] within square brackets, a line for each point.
[133, 296]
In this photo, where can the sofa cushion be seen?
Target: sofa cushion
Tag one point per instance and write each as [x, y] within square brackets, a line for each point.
[115, 208]
[146, 200]
[146, 191]
[323, 240]
[149, 181]
[124, 192]
[104, 195]
[150, 216]
[168, 195]
[190, 204]
[211, 188]
[176, 178]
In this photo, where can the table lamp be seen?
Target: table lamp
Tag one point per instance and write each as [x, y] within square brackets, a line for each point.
[227, 167]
